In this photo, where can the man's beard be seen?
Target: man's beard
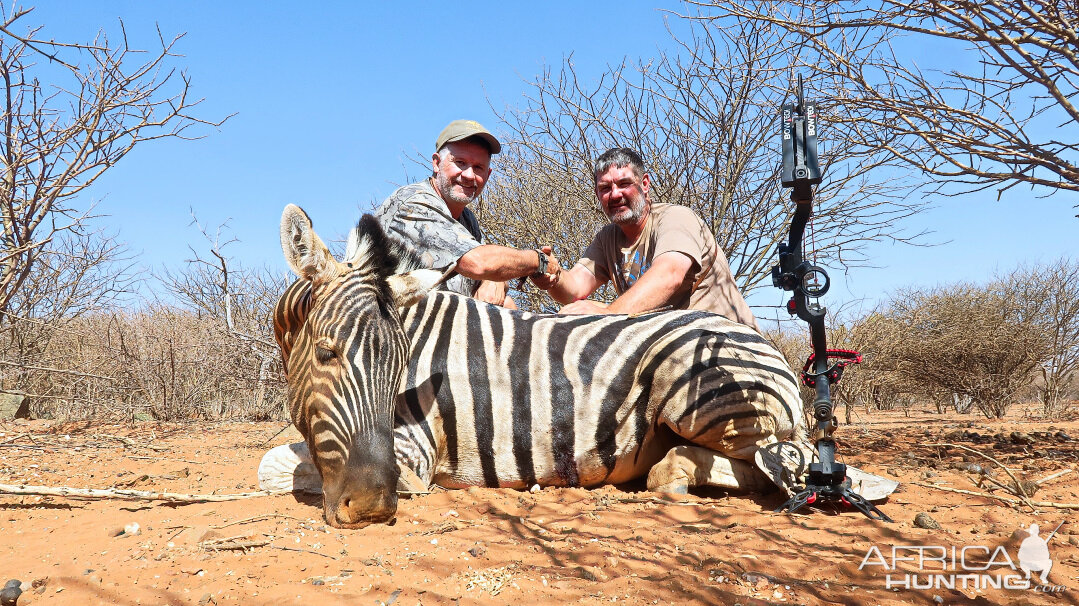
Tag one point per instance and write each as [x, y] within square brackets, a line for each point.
[631, 214]
[446, 188]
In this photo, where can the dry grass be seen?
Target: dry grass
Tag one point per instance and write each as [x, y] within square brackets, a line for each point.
[161, 363]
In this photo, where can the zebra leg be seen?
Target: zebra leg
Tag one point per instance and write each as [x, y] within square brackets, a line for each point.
[290, 468]
[414, 459]
[725, 436]
[408, 481]
[688, 466]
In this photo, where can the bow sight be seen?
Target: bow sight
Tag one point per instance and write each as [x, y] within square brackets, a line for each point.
[827, 480]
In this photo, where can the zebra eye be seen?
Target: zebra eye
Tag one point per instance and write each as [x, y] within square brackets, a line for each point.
[324, 356]
[324, 351]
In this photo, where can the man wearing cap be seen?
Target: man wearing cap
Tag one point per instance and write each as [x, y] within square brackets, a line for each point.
[433, 217]
[656, 255]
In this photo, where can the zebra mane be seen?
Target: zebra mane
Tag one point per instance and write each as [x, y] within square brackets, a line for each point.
[371, 249]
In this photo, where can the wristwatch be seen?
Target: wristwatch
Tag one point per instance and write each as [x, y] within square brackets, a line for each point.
[542, 268]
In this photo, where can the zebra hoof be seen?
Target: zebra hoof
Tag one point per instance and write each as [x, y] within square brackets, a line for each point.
[409, 483]
[289, 468]
[679, 486]
[787, 464]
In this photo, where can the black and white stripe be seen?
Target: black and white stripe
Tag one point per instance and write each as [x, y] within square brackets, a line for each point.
[519, 398]
[479, 395]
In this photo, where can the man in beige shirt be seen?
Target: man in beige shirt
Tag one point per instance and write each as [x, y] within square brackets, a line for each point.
[655, 254]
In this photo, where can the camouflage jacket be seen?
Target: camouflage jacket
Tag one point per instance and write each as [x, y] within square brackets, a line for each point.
[417, 215]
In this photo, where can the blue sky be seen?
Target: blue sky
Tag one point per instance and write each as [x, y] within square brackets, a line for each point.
[334, 100]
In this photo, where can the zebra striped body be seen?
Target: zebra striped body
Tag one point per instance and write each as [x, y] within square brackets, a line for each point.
[493, 397]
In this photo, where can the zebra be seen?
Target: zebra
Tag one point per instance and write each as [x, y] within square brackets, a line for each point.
[394, 384]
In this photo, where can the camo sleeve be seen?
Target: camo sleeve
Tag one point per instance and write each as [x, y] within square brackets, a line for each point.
[416, 215]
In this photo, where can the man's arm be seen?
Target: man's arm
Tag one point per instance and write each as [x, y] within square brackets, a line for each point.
[654, 289]
[570, 285]
[501, 263]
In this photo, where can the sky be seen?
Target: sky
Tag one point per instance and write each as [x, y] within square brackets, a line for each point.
[332, 102]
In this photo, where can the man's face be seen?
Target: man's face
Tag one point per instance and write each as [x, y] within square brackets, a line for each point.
[461, 173]
[622, 195]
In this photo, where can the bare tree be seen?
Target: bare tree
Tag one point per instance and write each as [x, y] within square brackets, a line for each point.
[1009, 120]
[1051, 294]
[237, 304]
[101, 99]
[975, 341]
[705, 119]
[966, 345]
[75, 275]
[871, 384]
[878, 382]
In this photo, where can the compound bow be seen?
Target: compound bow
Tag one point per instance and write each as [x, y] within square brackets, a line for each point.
[827, 480]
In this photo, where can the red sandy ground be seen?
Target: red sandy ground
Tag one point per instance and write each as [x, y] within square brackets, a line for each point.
[487, 546]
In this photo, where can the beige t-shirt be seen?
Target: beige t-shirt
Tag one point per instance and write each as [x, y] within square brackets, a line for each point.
[671, 228]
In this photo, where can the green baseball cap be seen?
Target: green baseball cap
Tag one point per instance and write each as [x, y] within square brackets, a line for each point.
[463, 129]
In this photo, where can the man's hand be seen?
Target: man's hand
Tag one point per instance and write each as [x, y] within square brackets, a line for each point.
[551, 273]
[584, 307]
[665, 279]
[494, 293]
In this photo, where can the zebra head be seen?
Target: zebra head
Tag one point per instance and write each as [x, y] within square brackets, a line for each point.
[346, 361]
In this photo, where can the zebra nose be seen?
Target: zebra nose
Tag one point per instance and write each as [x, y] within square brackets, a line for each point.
[358, 509]
[348, 513]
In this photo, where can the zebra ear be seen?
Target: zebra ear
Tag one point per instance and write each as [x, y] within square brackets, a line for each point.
[408, 288]
[353, 245]
[304, 251]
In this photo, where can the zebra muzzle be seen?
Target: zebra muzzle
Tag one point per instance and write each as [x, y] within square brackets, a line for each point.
[356, 510]
[364, 490]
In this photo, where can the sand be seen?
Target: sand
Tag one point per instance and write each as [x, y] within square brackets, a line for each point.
[496, 546]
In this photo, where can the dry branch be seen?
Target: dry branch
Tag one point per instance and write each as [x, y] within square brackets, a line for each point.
[17, 437]
[56, 370]
[1007, 119]
[233, 543]
[143, 458]
[1018, 489]
[121, 439]
[1051, 477]
[128, 495]
[659, 501]
[1003, 499]
[63, 128]
[996, 483]
[264, 516]
[325, 555]
[130, 443]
